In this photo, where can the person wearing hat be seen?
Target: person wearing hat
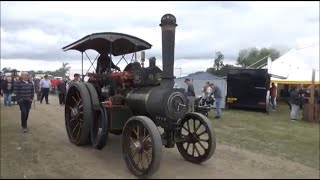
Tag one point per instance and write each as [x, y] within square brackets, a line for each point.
[45, 85]
[191, 95]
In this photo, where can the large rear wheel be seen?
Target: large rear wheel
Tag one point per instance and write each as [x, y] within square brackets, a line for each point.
[141, 146]
[78, 114]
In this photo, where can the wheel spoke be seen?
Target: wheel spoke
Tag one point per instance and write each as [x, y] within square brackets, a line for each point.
[80, 106]
[194, 125]
[145, 138]
[135, 132]
[186, 129]
[72, 119]
[188, 146]
[188, 126]
[196, 129]
[78, 95]
[194, 145]
[131, 139]
[147, 155]
[205, 131]
[79, 103]
[202, 145]
[75, 100]
[138, 133]
[78, 132]
[75, 127]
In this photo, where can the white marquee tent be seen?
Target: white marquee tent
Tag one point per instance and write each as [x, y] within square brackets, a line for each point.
[296, 66]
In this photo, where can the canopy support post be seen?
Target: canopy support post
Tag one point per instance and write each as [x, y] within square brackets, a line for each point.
[135, 52]
[82, 67]
[110, 54]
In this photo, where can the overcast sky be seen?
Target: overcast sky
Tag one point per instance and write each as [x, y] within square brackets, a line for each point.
[33, 33]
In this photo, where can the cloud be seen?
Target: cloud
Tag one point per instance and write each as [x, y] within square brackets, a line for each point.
[38, 30]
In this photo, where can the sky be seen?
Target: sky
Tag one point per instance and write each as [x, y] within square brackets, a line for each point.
[33, 33]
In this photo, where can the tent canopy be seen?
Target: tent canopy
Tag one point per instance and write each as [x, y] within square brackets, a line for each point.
[297, 65]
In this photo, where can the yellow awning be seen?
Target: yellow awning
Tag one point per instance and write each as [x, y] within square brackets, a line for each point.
[294, 82]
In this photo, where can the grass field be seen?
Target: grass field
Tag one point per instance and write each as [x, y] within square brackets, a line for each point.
[272, 134]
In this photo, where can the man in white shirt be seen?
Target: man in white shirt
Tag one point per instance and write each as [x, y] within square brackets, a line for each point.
[45, 85]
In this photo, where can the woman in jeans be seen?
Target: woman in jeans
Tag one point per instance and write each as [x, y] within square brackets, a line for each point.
[7, 90]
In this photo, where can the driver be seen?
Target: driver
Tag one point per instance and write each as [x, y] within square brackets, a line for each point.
[103, 63]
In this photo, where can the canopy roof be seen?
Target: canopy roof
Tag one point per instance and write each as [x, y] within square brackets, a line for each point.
[101, 42]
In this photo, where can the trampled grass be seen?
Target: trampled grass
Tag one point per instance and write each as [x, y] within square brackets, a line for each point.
[273, 134]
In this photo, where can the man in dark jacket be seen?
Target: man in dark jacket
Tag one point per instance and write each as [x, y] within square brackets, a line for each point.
[7, 90]
[24, 91]
[105, 63]
[62, 89]
[191, 94]
[218, 99]
[294, 100]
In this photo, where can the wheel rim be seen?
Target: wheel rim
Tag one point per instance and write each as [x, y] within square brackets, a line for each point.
[198, 143]
[139, 147]
[74, 114]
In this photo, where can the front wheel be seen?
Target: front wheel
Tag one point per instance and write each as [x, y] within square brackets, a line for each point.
[141, 146]
[197, 138]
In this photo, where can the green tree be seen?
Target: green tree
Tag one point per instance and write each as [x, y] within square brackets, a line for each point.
[223, 70]
[218, 61]
[250, 56]
[6, 69]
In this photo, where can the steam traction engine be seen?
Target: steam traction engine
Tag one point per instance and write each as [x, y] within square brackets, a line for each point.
[134, 103]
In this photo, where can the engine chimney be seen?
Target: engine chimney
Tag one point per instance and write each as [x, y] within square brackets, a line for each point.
[168, 26]
[152, 62]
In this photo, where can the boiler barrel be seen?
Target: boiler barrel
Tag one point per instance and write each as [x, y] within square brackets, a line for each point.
[137, 100]
[157, 102]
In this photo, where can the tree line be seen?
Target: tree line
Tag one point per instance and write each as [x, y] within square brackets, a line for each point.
[61, 72]
[246, 57]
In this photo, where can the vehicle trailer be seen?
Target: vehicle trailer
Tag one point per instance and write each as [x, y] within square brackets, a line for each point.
[248, 88]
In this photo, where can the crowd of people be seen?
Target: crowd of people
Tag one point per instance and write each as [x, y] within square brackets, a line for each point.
[211, 93]
[24, 88]
[299, 96]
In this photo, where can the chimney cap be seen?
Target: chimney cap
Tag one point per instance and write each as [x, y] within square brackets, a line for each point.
[168, 19]
[152, 58]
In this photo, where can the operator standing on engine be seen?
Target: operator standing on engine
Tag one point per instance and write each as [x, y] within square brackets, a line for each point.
[103, 63]
[191, 95]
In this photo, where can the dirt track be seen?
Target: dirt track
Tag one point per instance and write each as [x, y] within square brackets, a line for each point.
[45, 152]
